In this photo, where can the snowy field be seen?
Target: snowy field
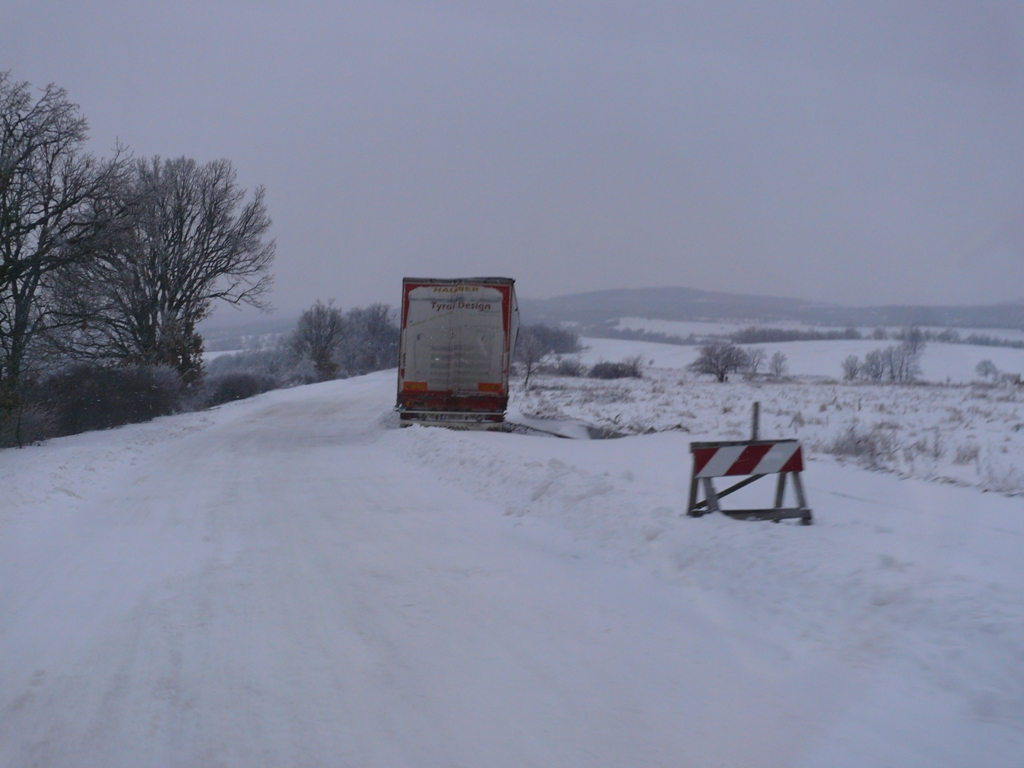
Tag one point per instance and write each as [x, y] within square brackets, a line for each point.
[293, 580]
[939, 362]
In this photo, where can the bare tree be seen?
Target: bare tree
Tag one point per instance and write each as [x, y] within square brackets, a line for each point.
[191, 240]
[778, 365]
[557, 340]
[317, 336]
[874, 366]
[635, 365]
[755, 359]
[49, 189]
[851, 367]
[901, 362]
[986, 368]
[913, 340]
[531, 352]
[371, 340]
[718, 359]
[897, 363]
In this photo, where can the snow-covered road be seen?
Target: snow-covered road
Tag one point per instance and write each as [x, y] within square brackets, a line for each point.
[292, 581]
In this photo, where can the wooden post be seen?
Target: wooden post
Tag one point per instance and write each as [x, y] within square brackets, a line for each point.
[691, 508]
[710, 495]
[780, 490]
[798, 486]
[755, 417]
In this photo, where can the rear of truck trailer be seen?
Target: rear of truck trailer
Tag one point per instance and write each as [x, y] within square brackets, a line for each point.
[457, 339]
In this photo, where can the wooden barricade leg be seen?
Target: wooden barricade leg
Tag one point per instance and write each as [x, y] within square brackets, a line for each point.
[710, 495]
[780, 490]
[691, 508]
[798, 486]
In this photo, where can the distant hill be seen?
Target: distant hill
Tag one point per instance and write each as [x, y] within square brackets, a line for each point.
[598, 307]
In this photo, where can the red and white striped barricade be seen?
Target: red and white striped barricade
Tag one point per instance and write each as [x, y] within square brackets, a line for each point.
[755, 458]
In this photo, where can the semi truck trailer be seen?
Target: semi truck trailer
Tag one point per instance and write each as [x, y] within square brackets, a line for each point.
[455, 350]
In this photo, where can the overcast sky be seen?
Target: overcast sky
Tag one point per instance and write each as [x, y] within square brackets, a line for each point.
[868, 152]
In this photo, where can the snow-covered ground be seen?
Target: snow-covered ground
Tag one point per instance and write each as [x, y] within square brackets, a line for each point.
[293, 580]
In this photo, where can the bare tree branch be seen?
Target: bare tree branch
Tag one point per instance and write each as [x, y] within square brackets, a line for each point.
[719, 359]
[49, 187]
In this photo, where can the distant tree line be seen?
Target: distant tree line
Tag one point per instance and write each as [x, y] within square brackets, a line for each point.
[979, 339]
[761, 335]
[755, 335]
[610, 331]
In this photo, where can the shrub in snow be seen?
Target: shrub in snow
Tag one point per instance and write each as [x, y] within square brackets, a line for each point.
[570, 366]
[274, 363]
[25, 425]
[966, 454]
[237, 386]
[920, 447]
[872, 447]
[636, 366]
[986, 368]
[88, 396]
[627, 369]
